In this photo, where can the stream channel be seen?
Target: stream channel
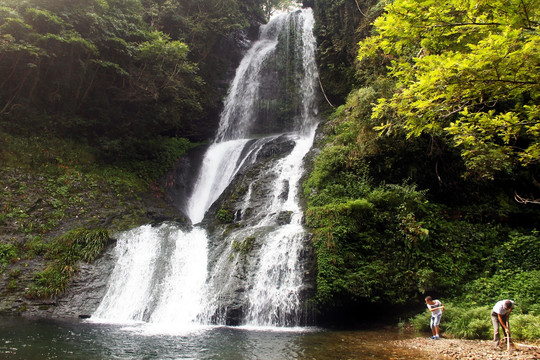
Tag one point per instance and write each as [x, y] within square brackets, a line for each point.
[26, 339]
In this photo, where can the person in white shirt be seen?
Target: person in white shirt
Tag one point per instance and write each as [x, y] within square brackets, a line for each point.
[500, 315]
[436, 308]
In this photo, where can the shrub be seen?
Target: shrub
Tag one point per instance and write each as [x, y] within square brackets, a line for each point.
[420, 322]
[149, 159]
[65, 251]
[525, 327]
[225, 216]
[521, 251]
[469, 323]
[461, 321]
[8, 252]
[50, 282]
[522, 287]
[245, 246]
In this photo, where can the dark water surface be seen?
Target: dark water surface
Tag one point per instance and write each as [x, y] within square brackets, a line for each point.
[53, 339]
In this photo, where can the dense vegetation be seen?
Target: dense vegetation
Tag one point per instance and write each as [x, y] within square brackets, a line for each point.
[427, 180]
[114, 72]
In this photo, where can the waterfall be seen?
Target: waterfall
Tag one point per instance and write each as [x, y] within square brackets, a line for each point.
[249, 272]
[163, 258]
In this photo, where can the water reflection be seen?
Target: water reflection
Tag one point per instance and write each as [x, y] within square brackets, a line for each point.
[47, 339]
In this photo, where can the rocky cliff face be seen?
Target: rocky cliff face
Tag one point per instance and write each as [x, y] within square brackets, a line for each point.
[217, 70]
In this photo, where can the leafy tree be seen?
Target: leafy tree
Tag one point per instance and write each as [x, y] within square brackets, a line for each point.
[96, 68]
[467, 70]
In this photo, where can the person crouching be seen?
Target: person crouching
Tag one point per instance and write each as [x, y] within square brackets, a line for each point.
[436, 308]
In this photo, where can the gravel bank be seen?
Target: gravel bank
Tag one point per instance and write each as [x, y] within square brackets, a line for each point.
[469, 349]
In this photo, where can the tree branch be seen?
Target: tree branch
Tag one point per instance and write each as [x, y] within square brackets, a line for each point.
[464, 24]
[506, 81]
[471, 24]
[523, 200]
[326, 97]
[359, 9]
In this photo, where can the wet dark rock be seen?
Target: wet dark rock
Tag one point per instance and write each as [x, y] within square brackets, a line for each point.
[284, 217]
[179, 182]
[285, 193]
[277, 147]
[87, 287]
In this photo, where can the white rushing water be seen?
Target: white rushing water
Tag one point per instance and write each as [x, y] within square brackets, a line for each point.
[163, 276]
[274, 298]
[243, 95]
[158, 276]
[220, 164]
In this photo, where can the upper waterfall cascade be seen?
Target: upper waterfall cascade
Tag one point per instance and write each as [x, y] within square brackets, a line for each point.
[168, 277]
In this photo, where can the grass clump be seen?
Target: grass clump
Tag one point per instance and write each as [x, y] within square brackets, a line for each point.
[8, 252]
[65, 252]
[245, 246]
[469, 323]
[225, 216]
[526, 327]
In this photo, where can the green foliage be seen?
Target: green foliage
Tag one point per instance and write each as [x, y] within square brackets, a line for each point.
[92, 70]
[8, 252]
[146, 158]
[33, 247]
[79, 243]
[454, 86]
[50, 282]
[245, 246]
[458, 321]
[474, 322]
[117, 71]
[65, 252]
[470, 317]
[385, 243]
[526, 327]
[368, 247]
[469, 323]
[522, 287]
[48, 179]
[225, 216]
[521, 251]
[464, 70]
[421, 321]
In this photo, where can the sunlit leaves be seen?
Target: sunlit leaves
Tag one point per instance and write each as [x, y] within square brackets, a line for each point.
[468, 69]
[161, 49]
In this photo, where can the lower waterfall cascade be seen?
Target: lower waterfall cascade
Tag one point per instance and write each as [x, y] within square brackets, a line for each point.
[252, 273]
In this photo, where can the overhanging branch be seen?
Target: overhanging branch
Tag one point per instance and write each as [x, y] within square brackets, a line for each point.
[523, 200]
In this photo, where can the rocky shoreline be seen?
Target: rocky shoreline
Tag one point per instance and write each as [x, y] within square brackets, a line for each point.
[469, 349]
